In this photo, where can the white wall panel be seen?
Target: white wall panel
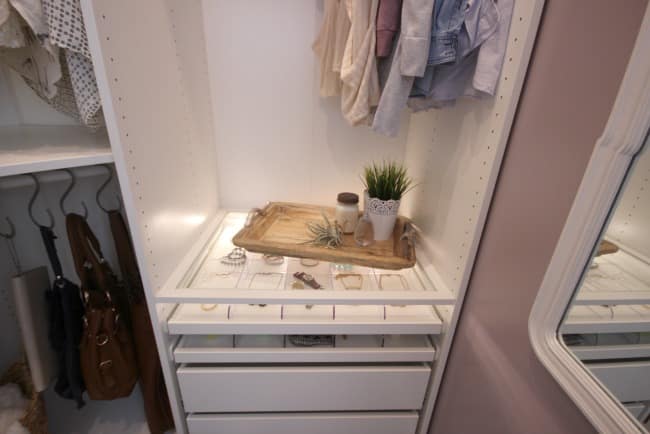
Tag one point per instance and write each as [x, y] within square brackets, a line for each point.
[187, 30]
[455, 154]
[276, 138]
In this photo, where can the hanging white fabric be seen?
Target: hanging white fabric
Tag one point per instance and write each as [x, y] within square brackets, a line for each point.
[66, 30]
[11, 32]
[37, 59]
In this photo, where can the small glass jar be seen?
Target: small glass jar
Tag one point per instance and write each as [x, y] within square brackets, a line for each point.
[347, 211]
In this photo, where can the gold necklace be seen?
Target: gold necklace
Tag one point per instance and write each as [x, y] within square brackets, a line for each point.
[308, 262]
[402, 280]
[355, 283]
[277, 284]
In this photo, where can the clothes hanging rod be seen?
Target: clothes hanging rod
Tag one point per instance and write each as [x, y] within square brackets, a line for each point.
[17, 181]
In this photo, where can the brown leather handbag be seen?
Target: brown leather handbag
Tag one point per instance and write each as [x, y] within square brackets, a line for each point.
[108, 362]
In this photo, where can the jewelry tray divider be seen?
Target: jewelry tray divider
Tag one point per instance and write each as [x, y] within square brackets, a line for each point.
[280, 228]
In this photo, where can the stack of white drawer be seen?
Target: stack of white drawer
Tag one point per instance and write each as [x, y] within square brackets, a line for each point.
[248, 384]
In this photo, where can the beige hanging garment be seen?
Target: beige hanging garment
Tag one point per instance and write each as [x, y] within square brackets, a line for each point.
[360, 89]
[341, 31]
[34, 63]
[11, 31]
[64, 101]
[38, 59]
[330, 82]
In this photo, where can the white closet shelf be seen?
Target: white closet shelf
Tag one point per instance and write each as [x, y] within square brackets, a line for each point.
[203, 278]
[619, 278]
[602, 319]
[37, 148]
[609, 352]
[244, 296]
[612, 298]
[295, 319]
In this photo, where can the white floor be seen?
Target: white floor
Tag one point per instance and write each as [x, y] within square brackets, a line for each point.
[121, 416]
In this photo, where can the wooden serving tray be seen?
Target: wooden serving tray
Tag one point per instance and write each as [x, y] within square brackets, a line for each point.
[281, 229]
[606, 248]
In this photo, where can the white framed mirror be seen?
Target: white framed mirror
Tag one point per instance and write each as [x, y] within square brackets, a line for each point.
[588, 323]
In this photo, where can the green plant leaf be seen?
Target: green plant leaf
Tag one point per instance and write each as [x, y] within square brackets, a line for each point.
[386, 181]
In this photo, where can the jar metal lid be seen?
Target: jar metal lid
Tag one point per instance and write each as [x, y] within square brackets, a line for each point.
[348, 198]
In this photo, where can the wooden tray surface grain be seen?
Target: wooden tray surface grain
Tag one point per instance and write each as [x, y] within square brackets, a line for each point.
[281, 229]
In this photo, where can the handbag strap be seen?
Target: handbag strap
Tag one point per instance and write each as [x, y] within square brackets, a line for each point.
[92, 269]
[102, 329]
[47, 234]
[125, 254]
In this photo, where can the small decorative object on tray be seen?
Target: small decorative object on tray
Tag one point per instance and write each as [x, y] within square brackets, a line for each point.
[385, 184]
[347, 211]
[328, 234]
[282, 229]
[364, 234]
[606, 248]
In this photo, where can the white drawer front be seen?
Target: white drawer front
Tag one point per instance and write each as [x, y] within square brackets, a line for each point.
[303, 388]
[628, 381]
[636, 409]
[315, 423]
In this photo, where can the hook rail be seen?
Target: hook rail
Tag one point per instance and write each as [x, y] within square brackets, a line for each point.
[101, 190]
[12, 230]
[30, 206]
[73, 182]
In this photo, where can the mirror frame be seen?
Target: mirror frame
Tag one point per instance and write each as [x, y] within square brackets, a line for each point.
[622, 139]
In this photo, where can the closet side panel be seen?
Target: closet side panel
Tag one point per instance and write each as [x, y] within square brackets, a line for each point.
[164, 159]
[629, 224]
[455, 154]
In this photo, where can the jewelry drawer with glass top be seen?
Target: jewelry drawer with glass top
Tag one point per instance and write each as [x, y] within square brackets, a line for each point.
[287, 319]
[216, 271]
[251, 349]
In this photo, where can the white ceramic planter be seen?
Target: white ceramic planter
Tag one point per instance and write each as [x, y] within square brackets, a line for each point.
[382, 214]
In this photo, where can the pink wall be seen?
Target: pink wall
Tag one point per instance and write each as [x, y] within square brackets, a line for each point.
[493, 382]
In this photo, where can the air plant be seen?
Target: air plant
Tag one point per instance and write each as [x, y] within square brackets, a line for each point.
[327, 234]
